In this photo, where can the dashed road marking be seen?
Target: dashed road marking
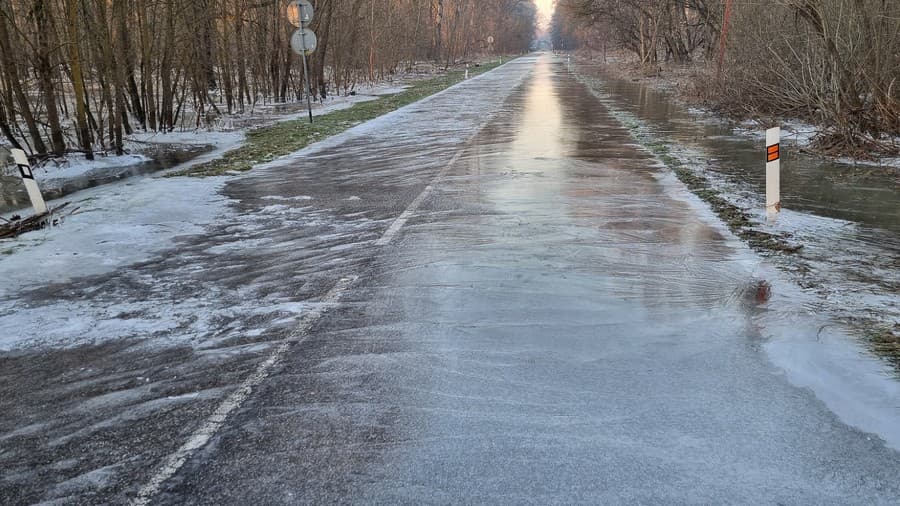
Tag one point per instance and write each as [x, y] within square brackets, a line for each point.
[414, 205]
[215, 421]
[200, 437]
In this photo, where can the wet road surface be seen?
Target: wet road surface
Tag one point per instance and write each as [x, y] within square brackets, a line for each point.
[846, 215]
[553, 321]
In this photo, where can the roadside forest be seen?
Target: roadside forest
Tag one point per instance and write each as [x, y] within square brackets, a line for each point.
[835, 63]
[79, 75]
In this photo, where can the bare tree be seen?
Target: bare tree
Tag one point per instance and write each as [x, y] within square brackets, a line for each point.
[89, 72]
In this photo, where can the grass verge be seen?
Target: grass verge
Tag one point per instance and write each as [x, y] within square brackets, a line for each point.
[267, 143]
[883, 340]
[737, 219]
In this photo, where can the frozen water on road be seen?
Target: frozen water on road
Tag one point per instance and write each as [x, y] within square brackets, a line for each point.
[846, 216]
[161, 288]
[557, 322]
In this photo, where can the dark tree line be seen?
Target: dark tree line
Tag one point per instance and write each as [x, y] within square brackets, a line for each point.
[83, 74]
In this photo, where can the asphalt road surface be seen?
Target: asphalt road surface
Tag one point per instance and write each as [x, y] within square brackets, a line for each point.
[497, 298]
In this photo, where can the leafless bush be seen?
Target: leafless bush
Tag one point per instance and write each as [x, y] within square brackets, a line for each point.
[832, 62]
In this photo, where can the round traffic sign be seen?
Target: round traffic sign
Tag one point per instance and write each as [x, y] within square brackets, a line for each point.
[300, 12]
[304, 40]
[490, 39]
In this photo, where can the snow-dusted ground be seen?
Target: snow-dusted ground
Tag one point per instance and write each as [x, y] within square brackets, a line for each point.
[114, 226]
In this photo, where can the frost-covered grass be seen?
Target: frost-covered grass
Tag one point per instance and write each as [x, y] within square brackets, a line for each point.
[737, 219]
[267, 143]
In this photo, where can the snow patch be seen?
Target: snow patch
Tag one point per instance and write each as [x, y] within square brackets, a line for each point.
[114, 226]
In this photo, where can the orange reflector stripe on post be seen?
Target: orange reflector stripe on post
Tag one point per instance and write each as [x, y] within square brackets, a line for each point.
[773, 153]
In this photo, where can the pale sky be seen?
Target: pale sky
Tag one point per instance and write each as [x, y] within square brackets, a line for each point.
[545, 10]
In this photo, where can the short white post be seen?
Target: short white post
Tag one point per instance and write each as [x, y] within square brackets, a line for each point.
[467, 70]
[773, 170]
[34, 193]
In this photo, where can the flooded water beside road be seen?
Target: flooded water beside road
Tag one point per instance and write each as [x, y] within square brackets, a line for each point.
[162, 157]
[846, 216]
[864, 194]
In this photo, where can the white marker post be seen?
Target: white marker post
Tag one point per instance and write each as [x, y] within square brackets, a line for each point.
[773, 171]
[34, 193]
[467, 70]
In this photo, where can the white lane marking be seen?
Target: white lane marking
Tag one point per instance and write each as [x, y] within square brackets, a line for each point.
[405, 215]
[215, 421]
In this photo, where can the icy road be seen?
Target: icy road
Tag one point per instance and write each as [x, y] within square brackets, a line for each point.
[491, 296]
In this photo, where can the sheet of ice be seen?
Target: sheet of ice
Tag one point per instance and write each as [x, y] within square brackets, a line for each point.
[853, 384]
[220, 139]
[196, 321]
[221, 142]
[114, 225]
[76, 165]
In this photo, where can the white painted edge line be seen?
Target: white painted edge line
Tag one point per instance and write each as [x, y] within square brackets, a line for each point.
[215, 421]
[200, 437]
[401, 220]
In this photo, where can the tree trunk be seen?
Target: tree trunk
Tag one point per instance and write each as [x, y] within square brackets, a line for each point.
[439, 18]
[84, 135]
[15, 83]
[45, 75]
[4, 127]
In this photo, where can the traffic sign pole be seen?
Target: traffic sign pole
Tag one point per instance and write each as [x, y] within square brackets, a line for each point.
[300, 14]
[306, 78]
